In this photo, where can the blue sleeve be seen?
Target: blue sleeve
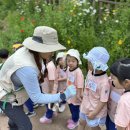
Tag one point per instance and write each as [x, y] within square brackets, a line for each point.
[29, 78]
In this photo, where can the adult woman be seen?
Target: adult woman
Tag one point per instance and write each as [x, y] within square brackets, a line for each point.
[21, 74]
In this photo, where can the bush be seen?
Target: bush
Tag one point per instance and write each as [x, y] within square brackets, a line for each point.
[77, 24]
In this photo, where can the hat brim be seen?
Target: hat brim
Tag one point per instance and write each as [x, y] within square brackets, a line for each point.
[39, 47]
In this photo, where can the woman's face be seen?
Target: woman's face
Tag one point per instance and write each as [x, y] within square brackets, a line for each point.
[116, 82]
[72, 62]
[47, 55]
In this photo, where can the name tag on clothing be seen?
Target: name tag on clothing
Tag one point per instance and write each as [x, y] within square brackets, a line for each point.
[115, 96]
[71, 79]
[92, 85]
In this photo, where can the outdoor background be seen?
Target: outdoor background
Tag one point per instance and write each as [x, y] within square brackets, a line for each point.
[79, 25]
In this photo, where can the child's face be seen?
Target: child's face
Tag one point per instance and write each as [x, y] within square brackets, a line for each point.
[90, 67]
[116, 82]
[72, 62]
[61, 62]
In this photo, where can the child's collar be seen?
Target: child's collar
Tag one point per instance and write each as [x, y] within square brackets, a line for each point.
[99, 74]
[73, 69]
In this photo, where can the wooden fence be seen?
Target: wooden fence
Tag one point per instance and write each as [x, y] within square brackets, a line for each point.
[109, 4]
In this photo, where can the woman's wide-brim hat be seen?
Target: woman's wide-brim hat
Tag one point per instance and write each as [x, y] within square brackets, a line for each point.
[44, 40]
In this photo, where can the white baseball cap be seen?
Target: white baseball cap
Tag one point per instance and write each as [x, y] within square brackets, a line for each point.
[61, 55]
[74, 53]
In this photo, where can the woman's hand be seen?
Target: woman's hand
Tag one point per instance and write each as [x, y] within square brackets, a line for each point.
[70, 91]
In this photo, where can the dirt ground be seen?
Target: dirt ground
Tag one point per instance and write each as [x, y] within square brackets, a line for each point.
[59, 122]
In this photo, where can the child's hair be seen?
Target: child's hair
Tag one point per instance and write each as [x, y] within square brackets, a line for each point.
[4, 53]
[121, 69]
[58, 57]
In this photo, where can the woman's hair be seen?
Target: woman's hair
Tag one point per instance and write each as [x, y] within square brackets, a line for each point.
[45, 73]
[121, 69]
[39, 64]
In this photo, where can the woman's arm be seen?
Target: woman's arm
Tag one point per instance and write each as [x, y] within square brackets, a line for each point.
[29, 78]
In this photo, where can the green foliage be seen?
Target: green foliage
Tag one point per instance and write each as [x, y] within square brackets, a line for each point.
[78, 24]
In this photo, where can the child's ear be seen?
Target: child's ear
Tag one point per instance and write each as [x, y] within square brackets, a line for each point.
[127, 83]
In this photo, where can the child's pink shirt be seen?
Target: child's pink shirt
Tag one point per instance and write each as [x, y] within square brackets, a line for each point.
[75, 78]
[97, 89]
[61, 84]
[114, 97]
[122, 116]
[51, 76]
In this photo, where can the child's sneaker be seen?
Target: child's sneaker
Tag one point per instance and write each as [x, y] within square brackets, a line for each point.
[72, 125]
[35, 105]
[41, 105]
[45, 120]
[30, 114]
[62, 108]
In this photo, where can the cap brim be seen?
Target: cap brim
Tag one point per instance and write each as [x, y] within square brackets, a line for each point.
[39, 47]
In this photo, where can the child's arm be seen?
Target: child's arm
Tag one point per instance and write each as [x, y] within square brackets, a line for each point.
[92, 114]
[120, 128]
[62, 79]
[79, 94]
[51, 85]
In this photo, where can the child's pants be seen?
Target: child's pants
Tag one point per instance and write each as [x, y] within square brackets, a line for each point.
[61, 103]
[109, 124]
[49, 112]
[29, 105]
[74, 109]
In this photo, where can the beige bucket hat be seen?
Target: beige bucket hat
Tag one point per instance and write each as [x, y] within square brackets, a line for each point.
[44, 40]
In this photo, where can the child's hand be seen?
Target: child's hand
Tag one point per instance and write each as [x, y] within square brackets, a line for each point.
[91, 115]
[79, 97]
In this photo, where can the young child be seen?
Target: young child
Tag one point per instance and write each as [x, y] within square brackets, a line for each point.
[114, 97]
[75, 77]
[4, 54]
[47, 87]
[93, 109]
[61, 77]
[120, 73]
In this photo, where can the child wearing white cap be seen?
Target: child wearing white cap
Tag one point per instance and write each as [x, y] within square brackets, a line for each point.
[93, 109]
[60, 83]
[74, 77]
